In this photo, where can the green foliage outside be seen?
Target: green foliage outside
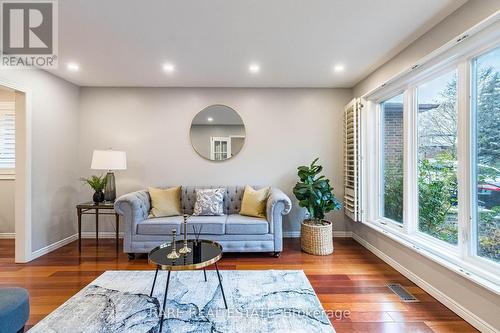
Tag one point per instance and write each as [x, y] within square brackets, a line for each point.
[437, 197]
[393, 192]
[489, 234]
[315, 192]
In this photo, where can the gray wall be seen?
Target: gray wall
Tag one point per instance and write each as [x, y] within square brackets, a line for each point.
[7, 186]
[201, 134]
[284, 128]
[477, 300]
[54, 144]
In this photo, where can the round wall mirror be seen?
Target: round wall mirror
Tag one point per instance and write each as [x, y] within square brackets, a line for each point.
[217, 133]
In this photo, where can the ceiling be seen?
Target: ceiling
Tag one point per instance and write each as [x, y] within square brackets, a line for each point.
[296, 43]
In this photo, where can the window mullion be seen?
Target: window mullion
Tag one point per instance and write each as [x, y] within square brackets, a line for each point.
[410, 163]
[464, 160]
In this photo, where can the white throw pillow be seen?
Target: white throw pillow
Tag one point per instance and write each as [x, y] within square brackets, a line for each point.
[209, 202]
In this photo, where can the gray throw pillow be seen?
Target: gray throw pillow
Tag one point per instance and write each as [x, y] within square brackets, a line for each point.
[209, 202]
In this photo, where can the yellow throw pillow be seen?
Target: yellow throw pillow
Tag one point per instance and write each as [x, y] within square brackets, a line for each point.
[254, 202]
[165, 202]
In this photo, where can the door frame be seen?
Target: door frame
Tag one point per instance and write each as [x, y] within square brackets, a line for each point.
[23, 106]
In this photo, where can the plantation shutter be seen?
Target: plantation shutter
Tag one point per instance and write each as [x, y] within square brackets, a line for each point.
[7, 137]
[352, 160]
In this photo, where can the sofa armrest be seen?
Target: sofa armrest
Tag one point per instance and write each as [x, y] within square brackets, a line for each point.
[278, 204]
[134, 207]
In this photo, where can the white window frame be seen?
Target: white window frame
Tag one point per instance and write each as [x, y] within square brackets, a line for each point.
[7, 173]
[460, 258]
[471, 254]
[380, 159]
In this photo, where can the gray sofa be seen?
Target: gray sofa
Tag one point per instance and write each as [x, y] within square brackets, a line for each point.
[236, 233]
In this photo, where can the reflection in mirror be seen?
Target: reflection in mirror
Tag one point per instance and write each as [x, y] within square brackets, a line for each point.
[217, 133]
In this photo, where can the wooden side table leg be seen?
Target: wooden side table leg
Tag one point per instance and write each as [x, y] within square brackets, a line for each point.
[79, 213]
[96, 226]
[117, 230]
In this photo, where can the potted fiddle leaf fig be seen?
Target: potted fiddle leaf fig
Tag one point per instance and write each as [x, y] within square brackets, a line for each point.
[314, 193]
[97, 183]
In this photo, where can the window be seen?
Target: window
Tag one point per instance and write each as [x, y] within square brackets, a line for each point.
[432, 154]
[391, 113]
[486, 77]
[7, 138]
[437, 158]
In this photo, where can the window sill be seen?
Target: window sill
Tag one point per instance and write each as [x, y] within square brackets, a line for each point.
[7, 177]
[451, 262]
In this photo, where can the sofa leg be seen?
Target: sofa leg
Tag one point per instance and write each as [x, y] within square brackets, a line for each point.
[276, 254]
[131, 256]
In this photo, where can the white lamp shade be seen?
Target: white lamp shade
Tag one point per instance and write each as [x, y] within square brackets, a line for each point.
[109, 160]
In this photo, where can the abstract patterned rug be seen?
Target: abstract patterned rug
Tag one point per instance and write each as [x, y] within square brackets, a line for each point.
[258, 301]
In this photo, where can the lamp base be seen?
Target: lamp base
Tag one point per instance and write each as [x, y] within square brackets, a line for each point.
[110, 188]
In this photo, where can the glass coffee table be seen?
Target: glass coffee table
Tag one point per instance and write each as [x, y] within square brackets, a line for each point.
[203, 253]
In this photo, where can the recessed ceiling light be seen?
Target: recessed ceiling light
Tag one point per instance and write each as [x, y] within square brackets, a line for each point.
[210, 119]
[73, 67]
[169, 68]
[254, 68]
[338, 68]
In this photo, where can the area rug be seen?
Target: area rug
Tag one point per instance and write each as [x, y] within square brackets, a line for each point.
[258, 301]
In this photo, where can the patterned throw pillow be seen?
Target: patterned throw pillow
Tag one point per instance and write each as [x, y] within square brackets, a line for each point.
[209, 202]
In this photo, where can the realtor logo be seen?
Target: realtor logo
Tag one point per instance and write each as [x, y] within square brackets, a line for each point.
[29, 33]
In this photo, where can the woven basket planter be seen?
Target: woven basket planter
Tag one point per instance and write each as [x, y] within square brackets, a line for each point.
[316, 238]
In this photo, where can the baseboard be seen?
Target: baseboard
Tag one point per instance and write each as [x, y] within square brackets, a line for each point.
[7, 235]
[291, 234]
[464, 313]
[102, 234]
[286, 234]
[339, 234]
[342, 234]
[53, 246]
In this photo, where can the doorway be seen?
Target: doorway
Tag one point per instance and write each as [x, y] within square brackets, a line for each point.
[7, 172]
[15, 174]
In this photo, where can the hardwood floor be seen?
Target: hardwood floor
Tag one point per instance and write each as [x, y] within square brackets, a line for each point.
[351, 279]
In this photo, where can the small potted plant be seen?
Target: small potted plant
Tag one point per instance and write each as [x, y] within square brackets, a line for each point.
[97, 183]
[315, 194]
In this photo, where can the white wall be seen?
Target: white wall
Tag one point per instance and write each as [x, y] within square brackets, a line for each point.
[284, 128]
[481, 304]
[53, 152]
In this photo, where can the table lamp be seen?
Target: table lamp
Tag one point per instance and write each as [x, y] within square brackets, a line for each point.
[109, 160]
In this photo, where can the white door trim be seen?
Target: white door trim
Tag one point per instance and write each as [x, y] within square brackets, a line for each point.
[23, 172]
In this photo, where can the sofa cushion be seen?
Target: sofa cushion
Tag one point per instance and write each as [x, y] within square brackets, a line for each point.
[245, 225]
[160, 226]
[210, 225]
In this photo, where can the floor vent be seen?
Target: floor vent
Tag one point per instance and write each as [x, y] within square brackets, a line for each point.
[403, 294]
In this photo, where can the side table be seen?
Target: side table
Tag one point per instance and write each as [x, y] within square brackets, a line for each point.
[90, 208]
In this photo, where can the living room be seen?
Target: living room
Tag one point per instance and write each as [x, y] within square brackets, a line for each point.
[330, 166]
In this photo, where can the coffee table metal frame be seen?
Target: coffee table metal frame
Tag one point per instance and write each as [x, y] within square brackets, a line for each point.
[170, 268]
